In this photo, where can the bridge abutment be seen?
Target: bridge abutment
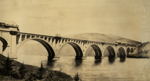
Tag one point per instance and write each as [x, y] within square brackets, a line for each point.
[13, 47]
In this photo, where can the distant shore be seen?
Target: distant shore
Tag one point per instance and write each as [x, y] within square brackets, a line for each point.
[138, 55]
[50, 75]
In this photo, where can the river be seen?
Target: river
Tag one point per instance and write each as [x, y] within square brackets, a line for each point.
[129, 69]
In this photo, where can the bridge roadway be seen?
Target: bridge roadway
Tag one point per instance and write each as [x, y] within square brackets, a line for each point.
[12, 39]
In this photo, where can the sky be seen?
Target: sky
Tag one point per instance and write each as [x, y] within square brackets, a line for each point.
[125, 18]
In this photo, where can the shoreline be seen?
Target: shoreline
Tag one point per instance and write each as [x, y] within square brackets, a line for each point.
[138, 56]
[50, 75]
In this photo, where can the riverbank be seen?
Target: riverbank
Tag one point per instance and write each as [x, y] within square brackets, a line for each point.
[143, 51]
[31, 73]
[138, 56]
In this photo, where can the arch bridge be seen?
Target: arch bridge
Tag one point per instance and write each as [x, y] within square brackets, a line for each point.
[12, 39]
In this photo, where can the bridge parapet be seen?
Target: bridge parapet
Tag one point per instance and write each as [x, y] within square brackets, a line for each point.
[75, 40]
[8, 27]
[58, 42]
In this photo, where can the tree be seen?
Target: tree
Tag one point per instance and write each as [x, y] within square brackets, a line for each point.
[77, 77]
[22, 70]
[41, 72]
[32, 77]
[7, 66]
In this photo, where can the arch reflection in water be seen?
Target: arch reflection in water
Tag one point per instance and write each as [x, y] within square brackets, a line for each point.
[122, 59]
[111, 60]
[78, 63]
[97, 61]
[51, 63]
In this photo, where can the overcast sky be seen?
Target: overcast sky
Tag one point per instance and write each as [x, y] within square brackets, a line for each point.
[125, 18]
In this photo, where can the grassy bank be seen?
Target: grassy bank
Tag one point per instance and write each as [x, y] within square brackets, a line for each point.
[31, 73]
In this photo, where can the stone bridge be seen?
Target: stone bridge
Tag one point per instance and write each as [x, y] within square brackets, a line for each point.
[12, 39]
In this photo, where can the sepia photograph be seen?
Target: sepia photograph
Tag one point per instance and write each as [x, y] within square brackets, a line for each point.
[74, 40]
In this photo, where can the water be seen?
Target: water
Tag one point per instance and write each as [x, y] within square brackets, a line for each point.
[129, 69]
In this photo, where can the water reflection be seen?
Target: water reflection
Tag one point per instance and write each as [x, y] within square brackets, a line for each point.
[51, 63]
[122, 59]
[96, 70]
[111, 60]
[98, 61]
[78, 63]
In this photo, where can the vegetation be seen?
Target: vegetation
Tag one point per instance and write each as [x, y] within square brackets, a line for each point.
[22, 71]
[7, 66]
[77, 77]
[41, 72]
[31, 77]
[12, 70]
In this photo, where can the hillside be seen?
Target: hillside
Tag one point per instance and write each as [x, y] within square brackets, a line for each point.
[102, 38]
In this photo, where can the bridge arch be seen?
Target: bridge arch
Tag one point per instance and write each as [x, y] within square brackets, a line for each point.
[128, 51]
[111, 52]
[121, 52]
[77, 48]
[4, 43]
[132, 50]
[51, 53]
[97, 50]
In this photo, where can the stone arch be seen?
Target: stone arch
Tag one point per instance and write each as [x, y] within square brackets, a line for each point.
[132, 50]
[51, 53]
[97, 50]
[79, 53]
[4, 43]
[121, 52]
[128, 50]
[111, 51]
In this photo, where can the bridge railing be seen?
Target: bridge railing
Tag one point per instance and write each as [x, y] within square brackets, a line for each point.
[86, 41]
